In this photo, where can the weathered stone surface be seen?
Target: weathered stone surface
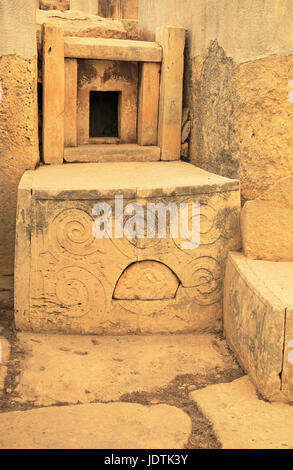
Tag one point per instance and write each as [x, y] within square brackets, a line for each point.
[79, 24]
[6, 291]
[112, 49]
[4, 357]
[147, 129]
[257, 322]
[61, 5]
[105, 75]
[267, 224]
[70, 103]
[104, 426]
[73, 274]
[53, 94]
[72, 368]
[18, 116]
[243, 421]
[112, 153]
[87, 6]
[236, 85]
[119, 9]
[146, 280]
[172, 40]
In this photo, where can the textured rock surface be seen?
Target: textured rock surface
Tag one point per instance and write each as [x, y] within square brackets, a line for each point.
[258, 322]
[103, 426]
[18, 115]
[73, 273]
[4, 358]
[241, 420]
[64, 368]
[61, 5]
[236, 85]
[80, 24]
[267, 224]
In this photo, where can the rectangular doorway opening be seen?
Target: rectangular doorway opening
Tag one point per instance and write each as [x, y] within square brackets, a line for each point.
[104, 114]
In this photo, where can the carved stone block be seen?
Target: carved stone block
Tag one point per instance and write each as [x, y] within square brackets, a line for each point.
[76, 282]
[258, 321]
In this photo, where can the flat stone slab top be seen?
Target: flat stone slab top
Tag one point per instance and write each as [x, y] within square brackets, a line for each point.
[69, 279]
[76, 23]
[82, 369]
[135, 179]
[243, 421]
[96, 426]
[258, 322]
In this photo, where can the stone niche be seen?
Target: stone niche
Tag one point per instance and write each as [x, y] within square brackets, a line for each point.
[67, 280]
[106, 102]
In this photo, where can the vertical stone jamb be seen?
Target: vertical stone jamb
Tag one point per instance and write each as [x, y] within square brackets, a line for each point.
[147, 130]
[53, 94]
[70, 106]
[172, 40]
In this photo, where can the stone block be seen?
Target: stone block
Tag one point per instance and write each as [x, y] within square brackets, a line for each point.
[172, 40]
[87, 6]
[258, 322]
[267, 224]
[70, 280]
[53, 94]
[111, 153]
[108, 76]
[112, 49]
[147, 131]
[70, 104]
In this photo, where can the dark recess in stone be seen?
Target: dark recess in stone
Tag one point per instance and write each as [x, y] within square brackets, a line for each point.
[104, 106]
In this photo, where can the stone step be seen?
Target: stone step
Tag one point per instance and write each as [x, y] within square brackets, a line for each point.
[111, 153]
[258, 322]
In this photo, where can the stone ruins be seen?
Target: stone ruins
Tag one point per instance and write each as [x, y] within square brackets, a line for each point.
[158, 103]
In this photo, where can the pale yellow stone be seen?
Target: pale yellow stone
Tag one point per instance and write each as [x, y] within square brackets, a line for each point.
[147, 129]
[70, 103]
[72, 274]
[87, 6]
[146, 280]
[96, 426]
[73, 368]
[267, 224]
[172, 40]
[4, 358]
[53, 94]
[112, 49]
[112, 153]
[241, 420]
[79, 24]
[258, 322]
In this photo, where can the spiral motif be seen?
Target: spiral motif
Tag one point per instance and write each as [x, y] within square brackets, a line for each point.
[206, 280]
[209, 232]
[73, 230]
[78, 291]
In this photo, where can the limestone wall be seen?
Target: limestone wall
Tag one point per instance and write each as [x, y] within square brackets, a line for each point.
[239, 60]
[18, 121]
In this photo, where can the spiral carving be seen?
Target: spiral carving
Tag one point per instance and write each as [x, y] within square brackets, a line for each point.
[73, 230]
[78, 291]
[206, 280]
